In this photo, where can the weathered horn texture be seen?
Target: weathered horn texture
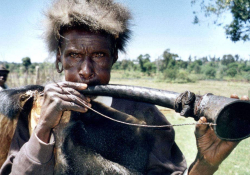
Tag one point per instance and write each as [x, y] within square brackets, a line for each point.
[155, 96]
[231, 116]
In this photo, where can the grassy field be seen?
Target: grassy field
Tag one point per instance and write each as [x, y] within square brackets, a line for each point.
[237, 162]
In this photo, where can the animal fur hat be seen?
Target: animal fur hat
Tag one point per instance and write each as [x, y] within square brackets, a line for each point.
[97, 15]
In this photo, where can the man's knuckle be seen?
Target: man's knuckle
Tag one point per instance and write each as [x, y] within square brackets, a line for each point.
[56, 101]
[48, 88]
[64, 84]
[72, 91]
[72, 97]
[51, 94]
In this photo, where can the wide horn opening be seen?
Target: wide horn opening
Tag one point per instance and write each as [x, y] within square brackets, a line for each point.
[233, 121]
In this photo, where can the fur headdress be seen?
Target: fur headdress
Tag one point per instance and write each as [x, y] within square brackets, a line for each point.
[97, 15]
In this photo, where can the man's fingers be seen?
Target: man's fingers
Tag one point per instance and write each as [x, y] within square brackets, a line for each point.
[74, 85]
[71, 91]
[74, 99]
[71, 106]
[245, 98]
[234, 96]
[200, 130]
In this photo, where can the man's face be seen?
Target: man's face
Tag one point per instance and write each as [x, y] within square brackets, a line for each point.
[3, 77]
[86, 57]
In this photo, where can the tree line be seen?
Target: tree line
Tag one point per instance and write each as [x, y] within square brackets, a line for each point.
[171, 67]
[168, 67]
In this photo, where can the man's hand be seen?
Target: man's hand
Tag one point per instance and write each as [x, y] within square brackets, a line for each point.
[56, 100]
[211, 150]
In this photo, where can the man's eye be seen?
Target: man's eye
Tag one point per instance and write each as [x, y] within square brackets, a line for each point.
[74, 55]
[98, 55]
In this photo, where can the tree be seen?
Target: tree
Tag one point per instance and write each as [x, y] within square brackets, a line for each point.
[195, 66]
[232, 72]
[168, 57]
[117, 65]
[170, 74]
[143, 59]
[26, 63]
[197, 69]
[227, 59]
[150, 68]
[182, 64]
[126, 64]
[239, 28]
[204, 60]
[210, 72]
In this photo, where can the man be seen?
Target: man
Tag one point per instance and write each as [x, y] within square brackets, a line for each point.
[86, 37]
[3, 77]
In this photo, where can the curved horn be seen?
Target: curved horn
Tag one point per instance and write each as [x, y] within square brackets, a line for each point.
[231, 116]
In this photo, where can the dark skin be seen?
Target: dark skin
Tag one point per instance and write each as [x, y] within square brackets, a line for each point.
[3, 77]
[87, 59]
[211, 150]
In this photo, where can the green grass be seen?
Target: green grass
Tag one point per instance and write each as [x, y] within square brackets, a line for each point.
[237, 162]
[222, 88]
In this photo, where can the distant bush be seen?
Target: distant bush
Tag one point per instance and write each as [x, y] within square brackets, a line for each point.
[170, 74]
[232, 65]
[195, 66]
[231, 72]
[210, 72]
[183, 77]
[247, 77]
[247, 68]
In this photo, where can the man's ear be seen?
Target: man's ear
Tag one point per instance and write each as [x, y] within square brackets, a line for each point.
[58, 55]
[59, 60]
[115, 56]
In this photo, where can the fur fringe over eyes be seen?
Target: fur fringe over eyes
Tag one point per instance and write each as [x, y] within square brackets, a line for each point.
[98, 15]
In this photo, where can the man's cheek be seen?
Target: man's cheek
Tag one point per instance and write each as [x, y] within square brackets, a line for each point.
[71, 75]
[104, 76]
[67, 65]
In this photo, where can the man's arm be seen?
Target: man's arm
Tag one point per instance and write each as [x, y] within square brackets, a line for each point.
[212, 151]
[28, 155]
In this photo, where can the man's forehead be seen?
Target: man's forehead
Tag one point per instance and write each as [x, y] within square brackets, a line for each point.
[80, 38]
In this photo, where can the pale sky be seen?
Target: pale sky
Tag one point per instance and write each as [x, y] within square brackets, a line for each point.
[157, 26]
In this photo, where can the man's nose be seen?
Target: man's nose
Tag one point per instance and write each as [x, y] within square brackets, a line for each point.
[86, 69]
